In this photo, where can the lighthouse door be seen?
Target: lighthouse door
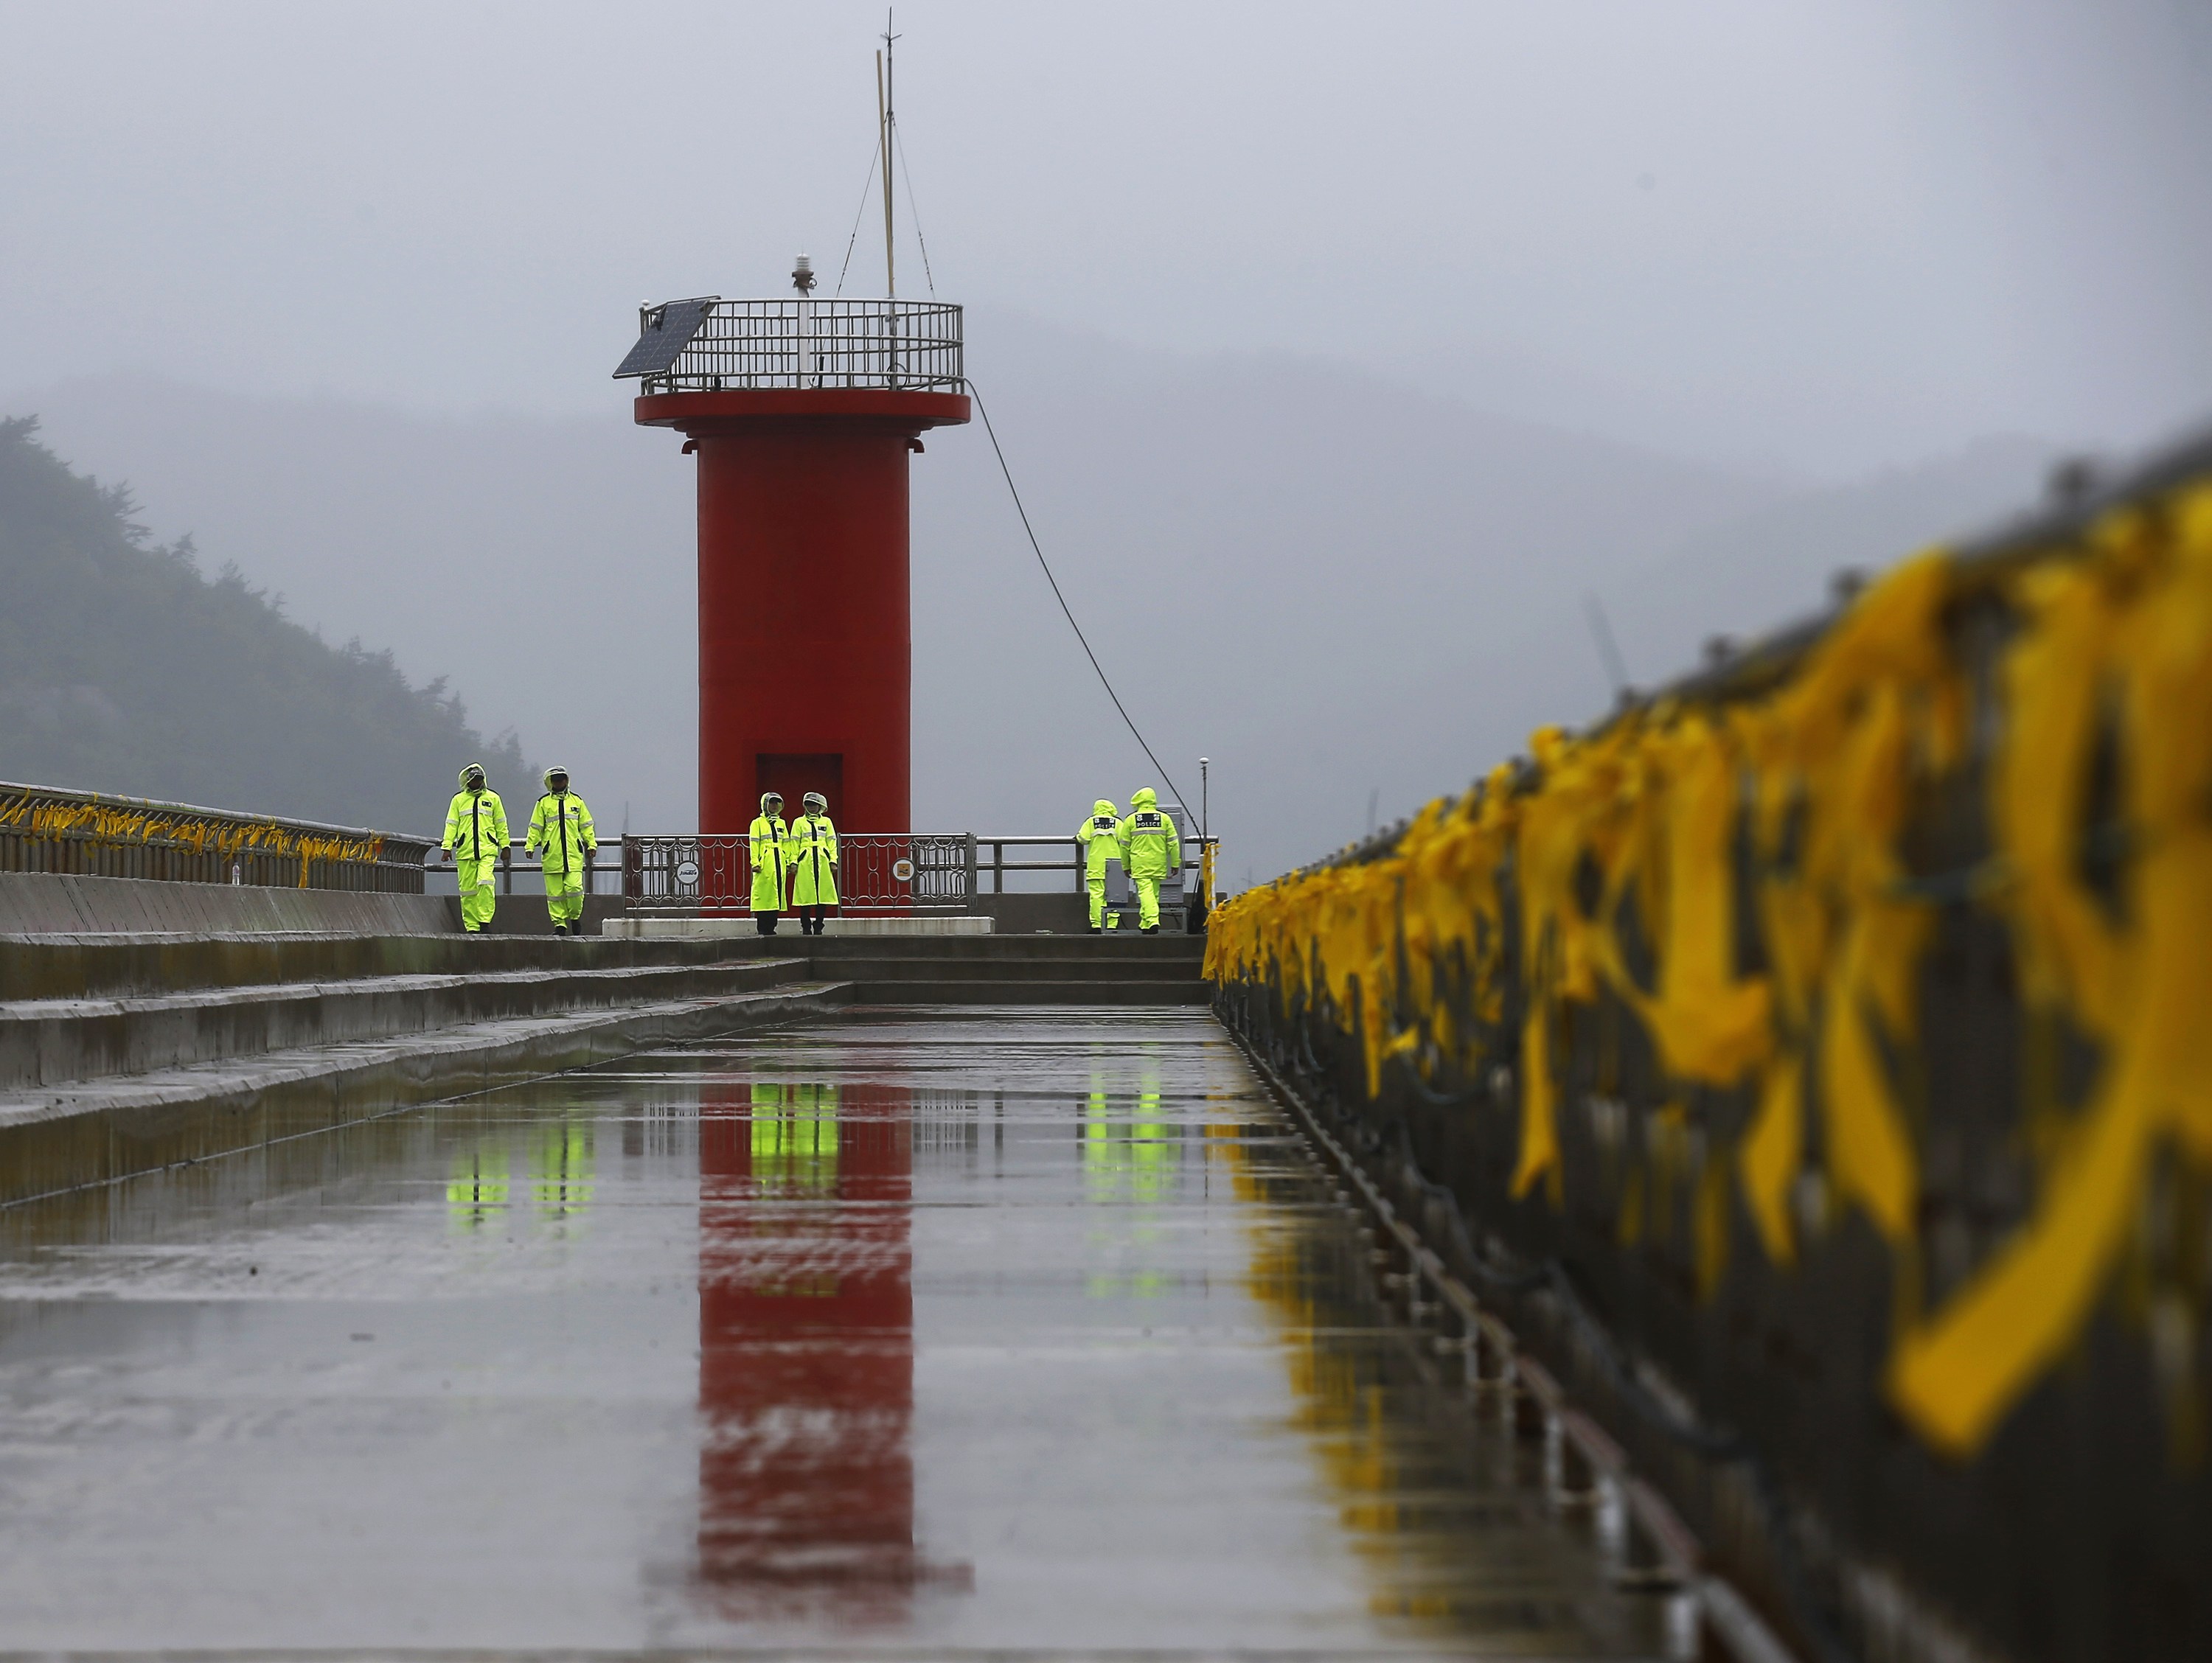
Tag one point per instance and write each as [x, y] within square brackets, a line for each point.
[794, 775]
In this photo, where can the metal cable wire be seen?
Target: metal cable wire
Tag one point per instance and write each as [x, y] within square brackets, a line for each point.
[852, 241]
[1037, 548]
[898, 145]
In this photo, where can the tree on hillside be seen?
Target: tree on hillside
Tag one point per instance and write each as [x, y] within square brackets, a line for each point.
[123, 669]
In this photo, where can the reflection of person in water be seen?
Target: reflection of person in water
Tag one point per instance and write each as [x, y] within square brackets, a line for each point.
[1129, 1154]
[1128, 1151]
[555, 1156]
[806, 1351]
[561, 1169]
[477, 1191]
[795, 1142]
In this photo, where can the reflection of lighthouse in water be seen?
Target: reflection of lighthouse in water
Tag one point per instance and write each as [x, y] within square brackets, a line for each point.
[807, 1352]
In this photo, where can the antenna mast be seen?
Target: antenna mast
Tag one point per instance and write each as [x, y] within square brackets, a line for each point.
[886, 118]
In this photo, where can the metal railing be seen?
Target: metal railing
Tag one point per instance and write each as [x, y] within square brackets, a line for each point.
[88, 833]
[914, 871]
[991, 861]
[45, 829]
[913, 345]
[603, 876]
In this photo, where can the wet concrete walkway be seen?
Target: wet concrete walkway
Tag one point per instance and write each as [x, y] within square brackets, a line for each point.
[904, 1333]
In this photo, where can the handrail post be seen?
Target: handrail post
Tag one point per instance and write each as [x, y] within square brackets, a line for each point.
[968, 899]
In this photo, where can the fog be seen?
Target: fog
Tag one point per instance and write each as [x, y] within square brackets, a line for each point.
[1339, 351]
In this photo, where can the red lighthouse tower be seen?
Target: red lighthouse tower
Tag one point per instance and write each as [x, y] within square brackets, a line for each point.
[802, 414]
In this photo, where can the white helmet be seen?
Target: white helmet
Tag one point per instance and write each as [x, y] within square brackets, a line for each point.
[815, 802]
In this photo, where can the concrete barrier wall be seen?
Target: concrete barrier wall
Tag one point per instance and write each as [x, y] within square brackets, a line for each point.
[70, 966]
[47, 903]
[1061, 912]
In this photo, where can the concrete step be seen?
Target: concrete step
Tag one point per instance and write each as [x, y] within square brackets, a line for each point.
[56, 1138]
[658, 926]
[48, 1041]
[77, 966]
[1095, 970]
[1118, 949]
[1033, 989]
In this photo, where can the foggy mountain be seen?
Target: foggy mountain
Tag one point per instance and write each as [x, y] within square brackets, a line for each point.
[1748, 577]
[1334, 584]
[1776, 565]
[546, 566]
[123, 669]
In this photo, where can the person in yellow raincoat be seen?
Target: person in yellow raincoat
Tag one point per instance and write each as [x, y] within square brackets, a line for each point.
[475, 840]
[561, 827]
[1152, 849]
[813, 862]
[771, 857]
[1101, 838]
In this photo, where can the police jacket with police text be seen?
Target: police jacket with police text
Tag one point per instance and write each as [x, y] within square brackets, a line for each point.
[1101, 838]
[1151, 846]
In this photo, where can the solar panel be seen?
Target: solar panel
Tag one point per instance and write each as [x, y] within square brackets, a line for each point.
[668, 330]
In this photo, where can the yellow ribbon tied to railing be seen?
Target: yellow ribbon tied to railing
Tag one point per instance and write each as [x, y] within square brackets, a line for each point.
[1636, 852]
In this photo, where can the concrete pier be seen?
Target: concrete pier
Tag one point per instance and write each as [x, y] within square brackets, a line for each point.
[884, 1332]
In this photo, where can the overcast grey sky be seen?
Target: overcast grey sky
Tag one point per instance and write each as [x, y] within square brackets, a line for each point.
[1820, 237]
[1312, 331]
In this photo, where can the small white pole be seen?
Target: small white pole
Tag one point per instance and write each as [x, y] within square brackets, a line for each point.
[883, 137]
[802, 279]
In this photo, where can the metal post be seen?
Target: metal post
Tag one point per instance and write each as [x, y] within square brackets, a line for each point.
[1203, 765]
[884, 133]
[969, 898]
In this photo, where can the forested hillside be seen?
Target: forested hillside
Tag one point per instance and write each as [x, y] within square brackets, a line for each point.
[122, 669]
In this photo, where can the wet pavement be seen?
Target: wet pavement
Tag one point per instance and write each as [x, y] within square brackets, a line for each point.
[902, 1334]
